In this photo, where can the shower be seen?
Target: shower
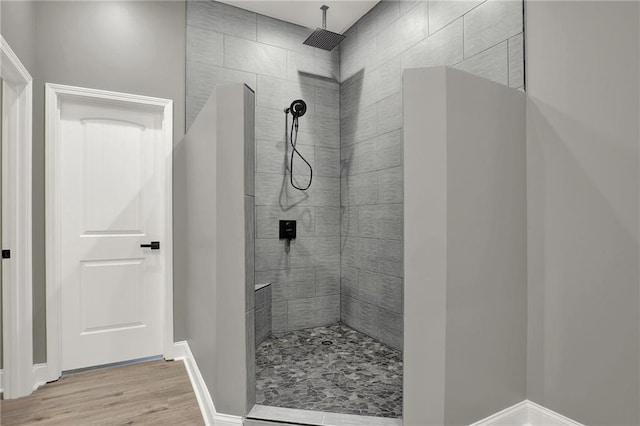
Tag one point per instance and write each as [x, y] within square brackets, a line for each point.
[297, 109]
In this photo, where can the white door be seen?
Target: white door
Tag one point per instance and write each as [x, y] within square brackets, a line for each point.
[112, 184]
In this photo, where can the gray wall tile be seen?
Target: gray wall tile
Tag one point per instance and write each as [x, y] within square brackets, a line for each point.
[359, 59]
[390, 293]
[277, 93]
[249, 143]
[368, 319]
[445, 47]
[390, 328]
[274, 157]
[319, 131]
[407, 5]
[250, 251]
[443, 12]
[390, 150]
[349, 220]
[359, 127]
[279, 317]
[391, 185]
[368, 221]
[359, 189]
[351, 94]
[414, 25]
[288, 284]
[388, 78]
[300, 64]
[202, 78]
[492, 64]
[389, 218]
[326, 162]
[327, 103]
[327, 280]
[251, 56]
[222, 18]
[250, 344]
[390, 257]
[369, 287]
[304, 313]
[349, 311]
[283, 34]
[377, 19]
[263, 297]
[263, 325]
[516, 61]
[367, 253]
[491, 23]
[349, 282]
[327, 221]
[390, 114]
[205, 45]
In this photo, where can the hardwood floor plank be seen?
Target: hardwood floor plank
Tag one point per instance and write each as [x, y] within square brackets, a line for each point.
[151, 393]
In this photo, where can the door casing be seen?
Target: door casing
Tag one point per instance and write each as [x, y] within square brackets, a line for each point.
[54, 95]
[17, 319]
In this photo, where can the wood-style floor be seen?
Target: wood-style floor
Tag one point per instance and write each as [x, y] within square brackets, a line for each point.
[151, 393]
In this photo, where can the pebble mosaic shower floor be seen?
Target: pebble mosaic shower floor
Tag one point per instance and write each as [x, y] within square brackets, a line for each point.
[355, 374]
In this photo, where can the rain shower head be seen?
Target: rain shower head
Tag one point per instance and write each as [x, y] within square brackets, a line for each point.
[322, 38]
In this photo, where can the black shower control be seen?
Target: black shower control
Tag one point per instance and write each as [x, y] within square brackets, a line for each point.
[287, 229]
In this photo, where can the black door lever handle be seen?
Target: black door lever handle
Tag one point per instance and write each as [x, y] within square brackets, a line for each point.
[155, 245]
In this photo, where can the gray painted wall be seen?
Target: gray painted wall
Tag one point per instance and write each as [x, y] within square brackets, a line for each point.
[582, 161]
[226, 44]
[135, 47]
[17, 26]
[466, 274]
[481, 37]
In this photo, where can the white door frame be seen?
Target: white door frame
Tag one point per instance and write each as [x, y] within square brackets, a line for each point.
[54, 93]
[17, 319]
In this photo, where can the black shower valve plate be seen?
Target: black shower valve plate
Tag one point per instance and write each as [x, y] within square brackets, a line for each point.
[287, 229]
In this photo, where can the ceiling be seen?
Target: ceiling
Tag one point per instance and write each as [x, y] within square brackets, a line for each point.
[342, 14]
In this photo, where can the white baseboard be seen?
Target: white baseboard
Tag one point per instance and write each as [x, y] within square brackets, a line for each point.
[527, 413]
[39, 375]
[1, 380]
[182, 352]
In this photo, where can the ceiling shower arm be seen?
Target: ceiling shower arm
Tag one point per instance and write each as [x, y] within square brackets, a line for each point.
[324, 8]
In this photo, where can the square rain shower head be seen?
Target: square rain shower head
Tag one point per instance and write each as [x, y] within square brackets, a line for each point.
[324, 39]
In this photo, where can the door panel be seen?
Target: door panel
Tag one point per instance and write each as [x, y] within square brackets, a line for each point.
[112, 202]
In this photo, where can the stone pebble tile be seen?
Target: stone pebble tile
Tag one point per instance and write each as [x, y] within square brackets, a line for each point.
[356, 374]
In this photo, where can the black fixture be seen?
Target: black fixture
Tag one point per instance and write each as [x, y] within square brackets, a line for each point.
[6, 254]
[155, 245]
[287, 230]
[297, 109]
[322, 38]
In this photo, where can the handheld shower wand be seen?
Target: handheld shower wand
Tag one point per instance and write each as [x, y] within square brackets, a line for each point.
[297, 109]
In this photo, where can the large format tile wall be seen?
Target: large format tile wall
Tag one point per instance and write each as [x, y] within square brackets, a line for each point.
[229, 45]
[481, 37]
